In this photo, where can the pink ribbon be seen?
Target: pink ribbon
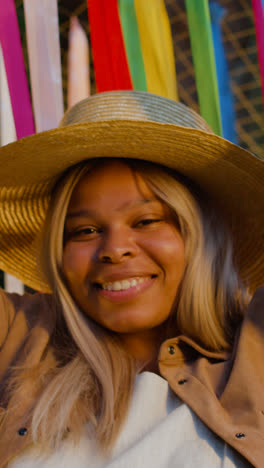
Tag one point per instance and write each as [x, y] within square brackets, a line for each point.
[15, 69]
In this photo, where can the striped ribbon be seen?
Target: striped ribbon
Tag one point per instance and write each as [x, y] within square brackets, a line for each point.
[157, 47]
[78, 64]
[204, 63]
[226, 97]
[132, 46]
[15, 69]
[132, 43]
[258, 10]
[43, 47]
[109, 55]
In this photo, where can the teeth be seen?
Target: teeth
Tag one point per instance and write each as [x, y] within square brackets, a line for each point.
[124, 284]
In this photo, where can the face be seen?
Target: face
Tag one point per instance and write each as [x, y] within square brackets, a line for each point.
[123, 255]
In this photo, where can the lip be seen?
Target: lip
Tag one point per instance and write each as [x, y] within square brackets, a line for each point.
[127, 294]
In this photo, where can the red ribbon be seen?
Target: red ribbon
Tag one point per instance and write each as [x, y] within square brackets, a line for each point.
[109, 56]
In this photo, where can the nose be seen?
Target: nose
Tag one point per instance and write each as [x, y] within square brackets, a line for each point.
[116, 247]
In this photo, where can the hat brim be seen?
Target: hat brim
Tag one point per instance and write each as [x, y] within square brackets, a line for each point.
[231, 176]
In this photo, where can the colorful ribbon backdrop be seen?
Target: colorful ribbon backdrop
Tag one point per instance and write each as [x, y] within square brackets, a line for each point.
[131, 37]
[7, 124]
[78, 64]
[132, 46]
[7, 135]
[258, 8]
[109, 55]
[226, 97]
[42, 28]
[204, 62]
[157, 47]
[15, 69]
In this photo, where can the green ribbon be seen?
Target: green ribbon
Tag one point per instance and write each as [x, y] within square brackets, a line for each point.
[131, 37]
[204, 63]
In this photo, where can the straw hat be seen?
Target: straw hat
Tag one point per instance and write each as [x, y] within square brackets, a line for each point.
[128, 124]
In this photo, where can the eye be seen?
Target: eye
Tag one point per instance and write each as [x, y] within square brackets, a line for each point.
[148, 221]
[83, 233]
[88, 231]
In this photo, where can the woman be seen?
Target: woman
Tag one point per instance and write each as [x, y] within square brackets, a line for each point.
[141, 356]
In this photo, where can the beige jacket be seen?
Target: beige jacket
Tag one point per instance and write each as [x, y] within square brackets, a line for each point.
[225, 390]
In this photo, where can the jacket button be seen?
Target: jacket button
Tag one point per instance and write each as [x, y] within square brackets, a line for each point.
[171, 349]
[182, 381]
[240, 435]
[22, 431]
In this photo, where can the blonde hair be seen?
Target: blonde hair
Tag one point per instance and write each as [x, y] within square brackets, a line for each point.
[95, 385]
[212, 298]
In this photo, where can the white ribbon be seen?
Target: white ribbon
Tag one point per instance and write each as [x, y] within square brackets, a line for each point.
[7, 135]
[78, 63]
[42, 30]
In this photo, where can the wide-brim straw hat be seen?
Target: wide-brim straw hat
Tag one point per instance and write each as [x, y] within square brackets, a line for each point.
[128, 124]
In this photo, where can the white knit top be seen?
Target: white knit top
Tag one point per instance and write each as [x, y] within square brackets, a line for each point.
[160, 432]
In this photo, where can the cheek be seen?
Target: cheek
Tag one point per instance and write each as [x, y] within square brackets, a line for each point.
[169, 251]
[76, 260]
[173, 248]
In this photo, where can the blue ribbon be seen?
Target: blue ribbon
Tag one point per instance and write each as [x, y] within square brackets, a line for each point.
[226, 97]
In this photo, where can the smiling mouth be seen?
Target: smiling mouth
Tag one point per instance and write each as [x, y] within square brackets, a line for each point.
[124, 284]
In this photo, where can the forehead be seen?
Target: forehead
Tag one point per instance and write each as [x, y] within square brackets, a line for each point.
[108, 183]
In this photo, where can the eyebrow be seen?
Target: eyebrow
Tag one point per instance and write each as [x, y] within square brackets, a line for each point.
[91, 213]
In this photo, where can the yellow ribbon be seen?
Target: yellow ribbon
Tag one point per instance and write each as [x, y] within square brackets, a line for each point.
[157, 47]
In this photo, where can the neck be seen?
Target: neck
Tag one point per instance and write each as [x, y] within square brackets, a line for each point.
[144, 347]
